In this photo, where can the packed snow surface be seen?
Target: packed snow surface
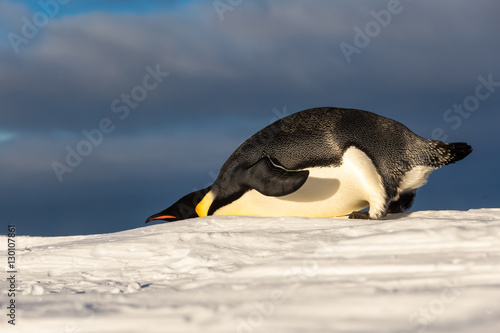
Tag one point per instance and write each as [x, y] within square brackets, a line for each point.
[429, 271]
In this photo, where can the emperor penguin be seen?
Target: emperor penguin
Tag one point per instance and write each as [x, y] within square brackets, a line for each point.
[322, 162]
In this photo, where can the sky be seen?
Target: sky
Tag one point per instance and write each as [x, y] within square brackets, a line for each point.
[112, 110]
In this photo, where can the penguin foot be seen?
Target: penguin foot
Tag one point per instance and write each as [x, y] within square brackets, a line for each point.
[403, 203]
[360, 215]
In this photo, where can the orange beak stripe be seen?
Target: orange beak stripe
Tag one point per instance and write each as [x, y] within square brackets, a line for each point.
[164, 217]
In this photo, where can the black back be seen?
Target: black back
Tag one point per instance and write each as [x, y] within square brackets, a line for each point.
[319, 137]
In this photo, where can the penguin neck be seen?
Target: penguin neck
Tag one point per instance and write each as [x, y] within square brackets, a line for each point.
[204, 205]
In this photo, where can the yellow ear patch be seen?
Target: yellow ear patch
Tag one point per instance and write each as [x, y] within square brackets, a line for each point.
[204, 205]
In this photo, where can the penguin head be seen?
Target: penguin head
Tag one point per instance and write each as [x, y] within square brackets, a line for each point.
[266, 175]
[184, 208]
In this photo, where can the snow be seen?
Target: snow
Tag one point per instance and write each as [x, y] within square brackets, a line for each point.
[428, 271]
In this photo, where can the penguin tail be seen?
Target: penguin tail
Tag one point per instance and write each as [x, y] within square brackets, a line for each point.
[456, 151]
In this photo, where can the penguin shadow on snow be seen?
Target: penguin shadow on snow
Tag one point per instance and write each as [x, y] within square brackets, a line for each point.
[396, 216]
[389, 216]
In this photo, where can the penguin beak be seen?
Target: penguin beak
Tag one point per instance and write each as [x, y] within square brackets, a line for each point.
[168, 218]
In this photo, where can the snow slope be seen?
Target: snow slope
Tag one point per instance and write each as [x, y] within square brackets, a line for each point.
[429, 271]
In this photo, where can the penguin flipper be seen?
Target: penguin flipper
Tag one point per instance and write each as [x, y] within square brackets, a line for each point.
[272, 179]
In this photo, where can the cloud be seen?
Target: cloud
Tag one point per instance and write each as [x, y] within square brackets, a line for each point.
[124, 179]
[81, 63]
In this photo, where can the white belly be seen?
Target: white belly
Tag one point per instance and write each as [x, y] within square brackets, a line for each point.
[328, 192]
